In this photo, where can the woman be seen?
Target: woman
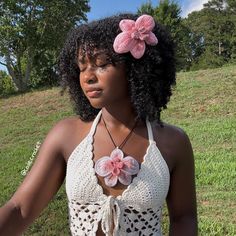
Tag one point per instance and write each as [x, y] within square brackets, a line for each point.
[120, 161]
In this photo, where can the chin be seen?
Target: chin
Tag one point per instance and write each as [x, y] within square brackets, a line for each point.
[96, 104]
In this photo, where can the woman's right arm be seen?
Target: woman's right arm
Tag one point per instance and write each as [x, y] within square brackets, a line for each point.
[39, 186]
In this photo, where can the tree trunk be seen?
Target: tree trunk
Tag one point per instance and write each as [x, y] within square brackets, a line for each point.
[17, 77]
[28, 66]
[220, 49]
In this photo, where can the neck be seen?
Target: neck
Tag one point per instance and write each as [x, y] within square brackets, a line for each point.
[119, 117]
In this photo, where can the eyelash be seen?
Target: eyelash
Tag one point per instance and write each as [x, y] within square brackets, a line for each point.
[103, 66]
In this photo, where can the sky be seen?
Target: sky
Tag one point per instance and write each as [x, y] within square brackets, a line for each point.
[104, 8]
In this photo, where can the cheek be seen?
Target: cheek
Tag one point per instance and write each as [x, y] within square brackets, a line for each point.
[114, 78]
[119, 83]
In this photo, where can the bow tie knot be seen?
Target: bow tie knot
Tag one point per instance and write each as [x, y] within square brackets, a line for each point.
[110, 216]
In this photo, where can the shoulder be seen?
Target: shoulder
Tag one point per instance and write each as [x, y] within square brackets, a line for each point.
[66, 133]
[173, 133]
[69, 124]
[173, 142]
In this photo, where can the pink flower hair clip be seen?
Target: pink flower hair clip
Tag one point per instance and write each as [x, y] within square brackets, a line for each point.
[116, 167]
[134, 35]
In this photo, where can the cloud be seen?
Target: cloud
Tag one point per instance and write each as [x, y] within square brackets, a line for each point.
[192, 5]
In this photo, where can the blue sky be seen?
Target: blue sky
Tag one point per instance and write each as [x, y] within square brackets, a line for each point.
[103, 8]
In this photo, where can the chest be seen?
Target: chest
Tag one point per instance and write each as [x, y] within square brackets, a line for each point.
[150, 186]
[136, 146]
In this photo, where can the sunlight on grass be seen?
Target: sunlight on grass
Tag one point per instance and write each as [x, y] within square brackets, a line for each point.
[203, 104]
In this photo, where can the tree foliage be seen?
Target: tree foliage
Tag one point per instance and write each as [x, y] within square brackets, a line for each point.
[213, 30]
[32, 33]
[6, 85]
[168, 13]
[204, 39]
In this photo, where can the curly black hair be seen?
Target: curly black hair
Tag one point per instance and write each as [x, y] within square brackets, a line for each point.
[150, 78]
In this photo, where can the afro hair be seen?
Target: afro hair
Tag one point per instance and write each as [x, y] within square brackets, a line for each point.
[150, 78]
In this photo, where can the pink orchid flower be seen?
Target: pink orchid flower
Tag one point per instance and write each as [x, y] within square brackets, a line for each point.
[134, 35]
[117, 167]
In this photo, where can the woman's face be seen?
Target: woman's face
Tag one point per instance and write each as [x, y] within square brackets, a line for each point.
[102, 83]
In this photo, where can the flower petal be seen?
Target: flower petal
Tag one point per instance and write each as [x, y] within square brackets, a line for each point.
[138, 50]
[131, 166]
[126, 25]
[110, 180]
[125, 178]
[123, 43]
[103, 166]
[151, 39]
[117, 154]
[116, 171]
[145, 23]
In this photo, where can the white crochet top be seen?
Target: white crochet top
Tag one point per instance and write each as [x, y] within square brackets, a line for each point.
[136, 212]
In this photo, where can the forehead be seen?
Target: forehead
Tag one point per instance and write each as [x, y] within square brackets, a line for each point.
[92, 54]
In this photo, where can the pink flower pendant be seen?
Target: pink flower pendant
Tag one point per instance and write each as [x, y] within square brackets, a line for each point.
[116, 167]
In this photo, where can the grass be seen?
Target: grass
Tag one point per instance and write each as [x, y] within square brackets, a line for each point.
[203, 104]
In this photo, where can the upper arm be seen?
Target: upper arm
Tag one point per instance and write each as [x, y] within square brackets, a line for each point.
[181, 199]
[45, 177]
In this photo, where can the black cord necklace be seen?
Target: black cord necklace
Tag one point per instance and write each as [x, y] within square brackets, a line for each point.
[126, 138]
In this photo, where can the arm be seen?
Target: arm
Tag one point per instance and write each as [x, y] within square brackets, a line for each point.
[39, 186]
[181, 199]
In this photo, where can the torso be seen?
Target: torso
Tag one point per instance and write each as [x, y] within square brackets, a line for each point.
[103, 146]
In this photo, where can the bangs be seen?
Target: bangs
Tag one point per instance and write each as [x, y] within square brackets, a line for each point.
[91, 39]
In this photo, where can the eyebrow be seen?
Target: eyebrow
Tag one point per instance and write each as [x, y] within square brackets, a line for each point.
[95, 56]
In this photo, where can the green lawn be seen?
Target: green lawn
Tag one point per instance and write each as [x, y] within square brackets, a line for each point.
[203, 104]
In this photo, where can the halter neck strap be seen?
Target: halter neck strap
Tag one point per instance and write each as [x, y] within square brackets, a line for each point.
[95, 122]
[149, 128]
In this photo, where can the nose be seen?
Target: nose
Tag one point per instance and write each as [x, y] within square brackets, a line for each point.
[89, 76]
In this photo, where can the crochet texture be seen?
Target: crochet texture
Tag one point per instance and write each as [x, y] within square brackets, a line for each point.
[136, 212]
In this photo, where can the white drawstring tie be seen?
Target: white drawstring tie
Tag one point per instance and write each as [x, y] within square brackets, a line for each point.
[110, 216]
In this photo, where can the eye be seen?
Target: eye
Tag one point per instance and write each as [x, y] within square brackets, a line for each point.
[103, 63]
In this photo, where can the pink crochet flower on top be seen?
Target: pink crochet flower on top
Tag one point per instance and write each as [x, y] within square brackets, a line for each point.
[116, 167]
[134, 35]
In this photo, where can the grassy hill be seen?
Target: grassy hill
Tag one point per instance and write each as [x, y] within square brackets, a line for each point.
[203, 104]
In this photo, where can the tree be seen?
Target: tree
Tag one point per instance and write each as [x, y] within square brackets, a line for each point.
[211, 31]
[168, 14]
[31, 28]
[6, 85]
[215, 16]
[146, 8]
[196, 37]
[231, 14]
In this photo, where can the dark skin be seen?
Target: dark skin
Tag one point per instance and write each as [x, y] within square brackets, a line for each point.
[105, 86]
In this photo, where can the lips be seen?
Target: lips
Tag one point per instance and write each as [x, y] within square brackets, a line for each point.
[93, 92]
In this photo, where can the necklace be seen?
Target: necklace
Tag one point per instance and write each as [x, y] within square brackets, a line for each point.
[117, 166]
[126, 138]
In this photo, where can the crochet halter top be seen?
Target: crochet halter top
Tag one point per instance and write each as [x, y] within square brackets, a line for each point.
[137, 211]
